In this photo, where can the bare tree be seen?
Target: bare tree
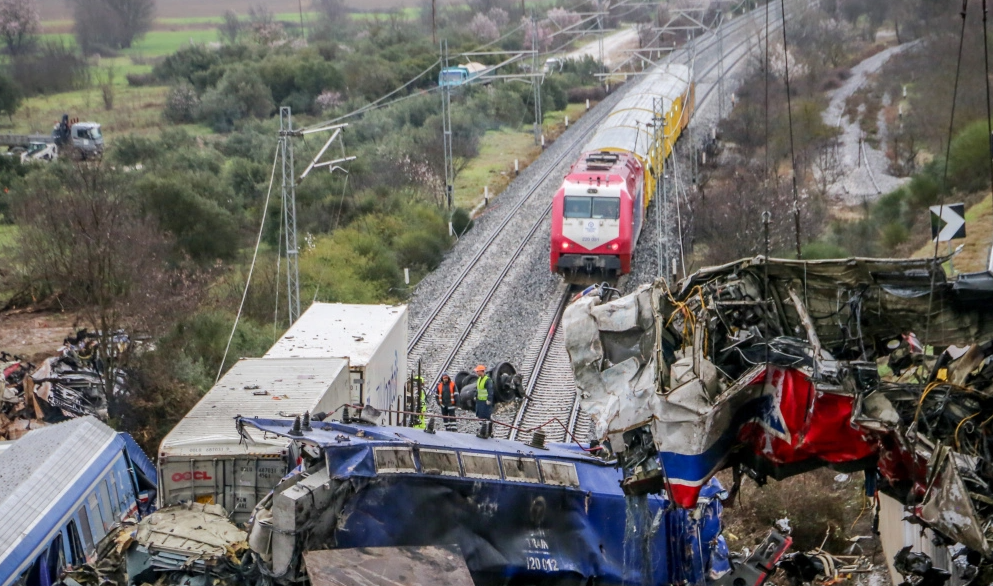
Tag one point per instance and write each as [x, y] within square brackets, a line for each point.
[113, 24]
[230, 27]
[333, 11]
[84, 240]
[19, 25]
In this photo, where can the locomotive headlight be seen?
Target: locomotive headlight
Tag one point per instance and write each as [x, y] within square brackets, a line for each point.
[613, 246]
[565, 245]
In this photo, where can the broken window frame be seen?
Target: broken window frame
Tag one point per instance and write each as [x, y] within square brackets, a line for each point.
[482, 457]
[408, 454]
[440, 471]
[520, 464]
[549, 477]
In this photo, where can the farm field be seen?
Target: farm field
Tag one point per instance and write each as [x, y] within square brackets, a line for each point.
[56, 10]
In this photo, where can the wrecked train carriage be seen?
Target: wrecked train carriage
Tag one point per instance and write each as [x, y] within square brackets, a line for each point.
[62, 488]
[518, 513]
[770, 365]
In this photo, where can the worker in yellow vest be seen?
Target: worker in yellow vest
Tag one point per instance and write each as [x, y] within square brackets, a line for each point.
[484, 393]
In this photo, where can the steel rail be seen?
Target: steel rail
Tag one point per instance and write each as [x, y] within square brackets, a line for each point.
[560, 308]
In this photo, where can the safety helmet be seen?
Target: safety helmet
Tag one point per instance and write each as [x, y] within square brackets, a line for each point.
[480, 368]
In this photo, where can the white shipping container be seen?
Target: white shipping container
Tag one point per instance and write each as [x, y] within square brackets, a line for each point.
[372, 337]
[204, 459]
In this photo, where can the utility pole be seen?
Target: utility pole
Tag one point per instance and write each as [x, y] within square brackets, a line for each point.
[720, 68]
[289, 196]
[289, 213]
[536, 81]
[658, 128]
[599, 24]
[446, 129]
[303, 31]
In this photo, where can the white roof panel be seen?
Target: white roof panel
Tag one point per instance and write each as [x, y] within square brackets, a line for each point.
[267, 388]
[339, 329]
[626, 125]
[36, 470]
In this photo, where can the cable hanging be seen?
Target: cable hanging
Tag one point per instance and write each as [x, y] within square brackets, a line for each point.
[989, 114]
[944, 177]
[251, 268]
[789, 113]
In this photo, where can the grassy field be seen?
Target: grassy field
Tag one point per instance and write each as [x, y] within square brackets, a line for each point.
[494, 167]
[136, 109]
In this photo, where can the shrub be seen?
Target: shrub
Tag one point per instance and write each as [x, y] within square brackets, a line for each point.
[239, 94]
[10, 96]
[820, 250]
[461, 221]
[131, 150]
[53, 69]
[969, 158]
[186, 62]
[203, 229]
[894, 234]
[579, 95]
[182, 105]
[141, 79]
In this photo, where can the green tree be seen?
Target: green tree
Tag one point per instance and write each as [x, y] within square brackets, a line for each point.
[11, 97]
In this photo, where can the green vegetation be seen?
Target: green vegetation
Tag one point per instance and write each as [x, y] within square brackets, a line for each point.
[191, 127]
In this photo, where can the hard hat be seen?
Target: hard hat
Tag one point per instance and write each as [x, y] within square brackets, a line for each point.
[480, 368]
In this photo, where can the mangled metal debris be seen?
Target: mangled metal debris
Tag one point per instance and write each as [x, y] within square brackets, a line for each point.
[183, 544]
[778, 367]
[68, 385]
[388, 566]
[518, 513]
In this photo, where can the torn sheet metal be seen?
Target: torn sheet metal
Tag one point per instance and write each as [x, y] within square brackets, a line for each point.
[65, 386]
[189, 537]
[519, 514]
[388, 566]
[782, 366]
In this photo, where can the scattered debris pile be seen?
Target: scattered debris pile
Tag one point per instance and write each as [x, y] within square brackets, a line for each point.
[181, 544]
[777, 367]
[68, 385]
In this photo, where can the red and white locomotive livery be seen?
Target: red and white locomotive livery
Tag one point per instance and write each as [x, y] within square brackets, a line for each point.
[598, 212]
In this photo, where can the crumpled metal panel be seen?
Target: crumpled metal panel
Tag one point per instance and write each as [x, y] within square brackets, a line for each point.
[388, 566]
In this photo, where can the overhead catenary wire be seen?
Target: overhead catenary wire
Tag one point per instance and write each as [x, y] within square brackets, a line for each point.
[989, 115]
[251, 268]
[944, 177]
[789, 112]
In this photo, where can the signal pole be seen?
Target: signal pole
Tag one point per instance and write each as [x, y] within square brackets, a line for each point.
[536, 81]
[446, 130]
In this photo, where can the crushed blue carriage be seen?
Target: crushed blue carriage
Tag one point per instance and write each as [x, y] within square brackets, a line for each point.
[62, 489]
[519, 514]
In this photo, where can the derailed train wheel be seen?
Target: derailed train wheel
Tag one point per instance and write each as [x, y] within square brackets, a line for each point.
[504, 376]
[467, 396]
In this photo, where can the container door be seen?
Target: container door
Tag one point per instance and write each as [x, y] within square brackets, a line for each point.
[253, 479]
[190, 480]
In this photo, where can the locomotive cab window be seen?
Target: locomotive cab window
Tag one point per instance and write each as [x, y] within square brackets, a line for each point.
[577, 207]
[606, 208]
[597, 208]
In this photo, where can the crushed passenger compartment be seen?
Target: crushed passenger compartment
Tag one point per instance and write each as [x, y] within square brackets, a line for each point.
[777, 367]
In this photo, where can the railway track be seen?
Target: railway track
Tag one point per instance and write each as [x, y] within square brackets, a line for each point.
[448, 335]
[551, 389]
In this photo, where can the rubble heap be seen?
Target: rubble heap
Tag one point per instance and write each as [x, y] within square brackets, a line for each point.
[776, 367]
[68, 385]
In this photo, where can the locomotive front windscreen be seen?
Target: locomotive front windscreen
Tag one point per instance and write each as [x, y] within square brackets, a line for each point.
[598, 208]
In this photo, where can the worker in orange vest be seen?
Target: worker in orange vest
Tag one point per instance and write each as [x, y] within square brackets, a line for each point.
[447, 397]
